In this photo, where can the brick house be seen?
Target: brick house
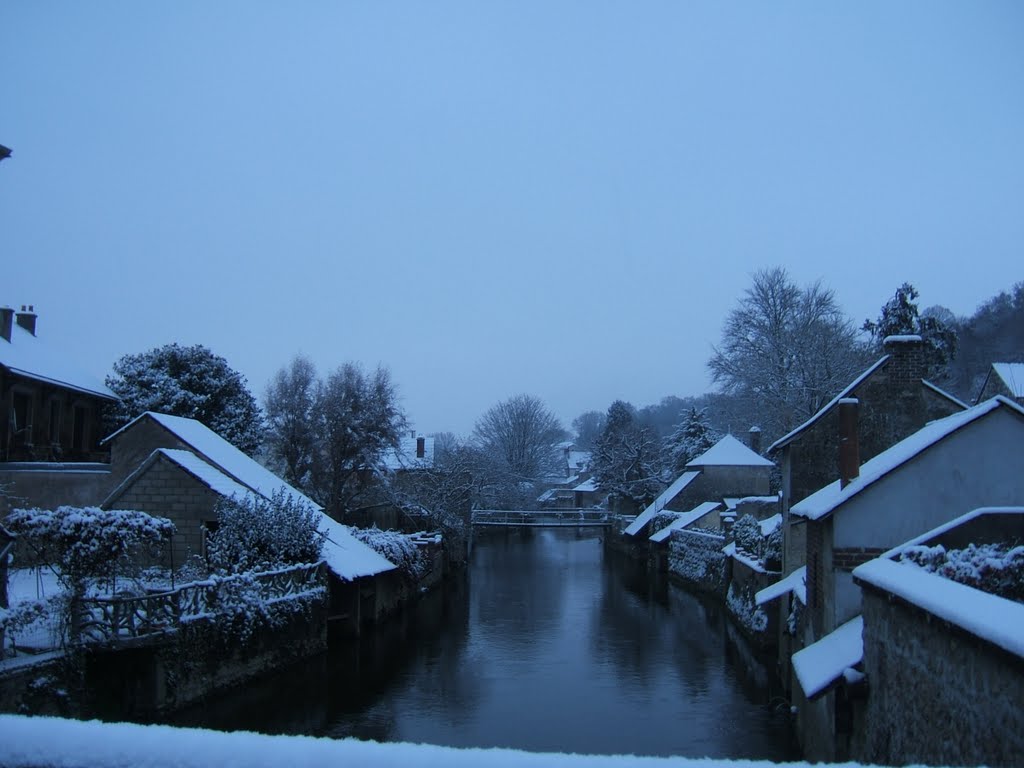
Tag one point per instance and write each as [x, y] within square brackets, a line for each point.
[50, 418]
[966, 460]
[1005, 379]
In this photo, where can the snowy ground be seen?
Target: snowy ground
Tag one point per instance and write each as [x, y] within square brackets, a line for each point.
[35, 741]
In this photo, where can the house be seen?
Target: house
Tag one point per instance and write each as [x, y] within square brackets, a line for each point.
[412, 452]
[50, 427]
[180, 469]
[894, 400]
[944, 658]
[963, 461]
[1005, 379]
[726, 469]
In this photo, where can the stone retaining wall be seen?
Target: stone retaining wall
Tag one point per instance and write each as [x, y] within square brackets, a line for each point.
[696, 559]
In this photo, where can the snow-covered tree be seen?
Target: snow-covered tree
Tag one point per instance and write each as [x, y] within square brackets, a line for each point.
[358, 419]
[626, 460]
[588, 427]
[258, 533]
[936, 326]
[187, 381]
[690, 439]
[522, 434]
[290, 403]
[786, 349]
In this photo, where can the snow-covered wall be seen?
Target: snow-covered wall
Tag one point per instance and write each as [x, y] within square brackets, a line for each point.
[696, 558]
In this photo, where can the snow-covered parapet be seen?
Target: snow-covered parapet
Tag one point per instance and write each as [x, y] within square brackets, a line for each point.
[906, 338]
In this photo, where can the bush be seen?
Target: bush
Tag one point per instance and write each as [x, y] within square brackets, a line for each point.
[994, 568]
[747, 532]
[254, 532]
[396, 547]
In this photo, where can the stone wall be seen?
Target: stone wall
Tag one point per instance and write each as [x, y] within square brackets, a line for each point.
[50, 485]
[166, 490]
[937, 695]
[697, 560]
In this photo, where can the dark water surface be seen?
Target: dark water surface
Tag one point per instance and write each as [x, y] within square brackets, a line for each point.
[549, 644]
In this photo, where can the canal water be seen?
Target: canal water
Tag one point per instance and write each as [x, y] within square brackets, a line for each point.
[549, 643]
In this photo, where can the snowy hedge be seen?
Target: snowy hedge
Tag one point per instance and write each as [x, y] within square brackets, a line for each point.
[994, 568]
[396, 547]
[697, 558]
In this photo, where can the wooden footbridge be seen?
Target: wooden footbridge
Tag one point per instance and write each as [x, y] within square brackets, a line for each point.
[542, 518]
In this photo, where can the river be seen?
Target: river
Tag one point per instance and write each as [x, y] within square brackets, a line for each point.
[549, 643]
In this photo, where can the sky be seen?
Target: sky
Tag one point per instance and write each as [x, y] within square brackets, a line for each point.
[558, 198]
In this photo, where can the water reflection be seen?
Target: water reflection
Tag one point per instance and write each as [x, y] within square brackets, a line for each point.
[550, 643]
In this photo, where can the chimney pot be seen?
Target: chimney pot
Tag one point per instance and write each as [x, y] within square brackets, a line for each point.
[849, 441]
[754, 439]
[421, 447]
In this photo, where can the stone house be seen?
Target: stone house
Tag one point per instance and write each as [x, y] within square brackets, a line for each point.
[50, 418]
[1005, 379]
[944, 661]
[179, 469]
[728, 469]
[894, 401]
[963, 461]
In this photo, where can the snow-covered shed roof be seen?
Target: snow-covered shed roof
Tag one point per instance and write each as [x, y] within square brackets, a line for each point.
[685, 519]
[659, 503]
[404, 457]
[729, 452]
[587, 485]
[984, 615]
[796, 583]
[824, 501]
[202, 471]
[578, 460]
[222, 454]
[347, 557]
[1012, 375]
[822, 663]
[35, 358]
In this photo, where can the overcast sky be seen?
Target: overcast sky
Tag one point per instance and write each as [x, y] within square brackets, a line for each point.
[557, 198]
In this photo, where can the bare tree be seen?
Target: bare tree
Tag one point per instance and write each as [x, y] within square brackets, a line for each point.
[787, 349]
[290, 404]
[588, 426]
[522, 433]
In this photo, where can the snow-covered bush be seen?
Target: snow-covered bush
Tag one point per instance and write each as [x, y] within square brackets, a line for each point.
[742, 607]
[994, 568]
[258, 533]
[396, 547]
[747, 533]
[89, 542]
[773, 550]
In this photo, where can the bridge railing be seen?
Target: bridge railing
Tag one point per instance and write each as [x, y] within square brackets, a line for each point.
[566, 517]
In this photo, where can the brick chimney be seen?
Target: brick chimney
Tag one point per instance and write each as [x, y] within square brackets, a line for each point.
[27, 318]
[849, 442]
[6, 322]
[754, 440]
[421, 447]
[906, 365]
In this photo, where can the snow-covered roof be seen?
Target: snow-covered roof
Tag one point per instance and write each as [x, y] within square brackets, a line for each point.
[731, 550]
[1012, 375]
[770, 524]
[578, 460]
[729, 452]
[587, 485]
[35, 358]
[796, 583]
[685, 519]
[850, 388]
[206, 473]
[990, 617]
[404, 457]
[821, 503]
[819, 665]
[659, 503]
[346, 556]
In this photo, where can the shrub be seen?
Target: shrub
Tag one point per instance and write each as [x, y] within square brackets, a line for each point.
[396, 547]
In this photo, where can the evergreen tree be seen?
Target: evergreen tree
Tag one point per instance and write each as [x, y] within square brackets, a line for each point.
[900, 316]
[691, 438]
[626, 460]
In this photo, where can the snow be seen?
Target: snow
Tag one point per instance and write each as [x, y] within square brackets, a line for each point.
[795, 583]
[770, 524]
[35, 741]
[587, 485]
[729, 452]
[730, 550]
[817, 666]
[851, 387]
[1012, 375]
[821, 503]
[990, 617]
[659, 503]
[346, 556]
[32, 357]
[405, 457]
[685, 519]
[906, 338]
[208, 475]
